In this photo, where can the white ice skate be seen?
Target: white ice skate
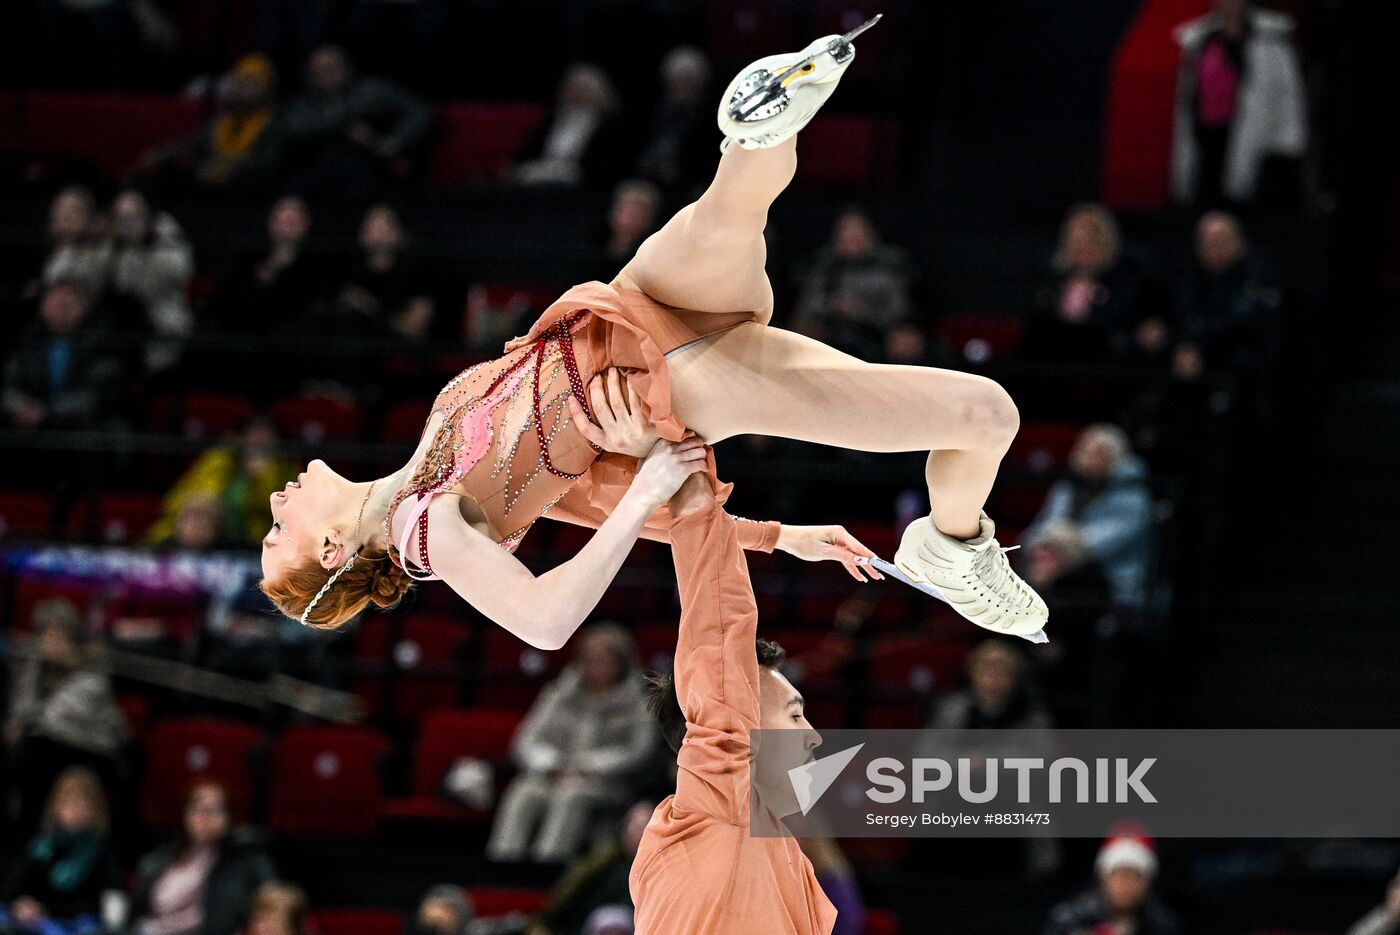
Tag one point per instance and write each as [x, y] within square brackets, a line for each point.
[973, 577]
[774, 97]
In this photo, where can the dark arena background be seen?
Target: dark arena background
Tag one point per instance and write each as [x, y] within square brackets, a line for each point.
[239, 234]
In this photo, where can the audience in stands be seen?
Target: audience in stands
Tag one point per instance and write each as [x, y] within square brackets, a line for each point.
[237, 477]
[277, 909]
[202, 882]
[152, 265]
[62, 712]
[681, 140]
[1385, 918]
[79, 249]
[856, 289]
[445, 910]
[63, 373]
[1225, 307]
[1122, 900]
[580, 143]
[1100, 515]
[349, 133]
[1091, 306]
[579, 749]
[239, 147]
[595, 880]
[636, 206]
[266, 295]
[999, 694]
[62, 878]
[383, 287]
[1239, 101]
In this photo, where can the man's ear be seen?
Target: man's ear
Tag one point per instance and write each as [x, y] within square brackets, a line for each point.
[331, 551]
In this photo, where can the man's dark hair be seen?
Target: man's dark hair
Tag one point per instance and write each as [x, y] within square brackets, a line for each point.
[666, 708]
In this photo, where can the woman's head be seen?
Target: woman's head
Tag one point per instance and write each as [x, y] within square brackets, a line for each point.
[71, 214]
[289, 221]
[278, 909]
[1099, 450]
[994, 669]
[77, 802]
[1089, 241]
[207, 814]
[588, 87]
[606, 654]
[313, 521]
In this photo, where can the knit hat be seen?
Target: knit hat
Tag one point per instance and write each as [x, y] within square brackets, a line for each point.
[1126, 853]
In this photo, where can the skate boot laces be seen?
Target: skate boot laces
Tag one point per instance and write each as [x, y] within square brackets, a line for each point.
[994, 571]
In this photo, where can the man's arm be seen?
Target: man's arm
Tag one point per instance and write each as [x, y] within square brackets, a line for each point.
[716, 670]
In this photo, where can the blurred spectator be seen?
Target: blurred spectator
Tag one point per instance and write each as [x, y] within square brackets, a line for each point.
[1239, 101]
[348, 132]
[62, 877]
[1225, 306]
[80, 249]
[62, 374]
[152, 265]
[631, 219]
[908, 343]
[277, 909]
[1101, 513]
[203, 881]
[838, 881]
[238, 146]
[237, 478]
[998, 696]
[489, 325]
[609, 920]
[579, 143]
[1122, 901]
[266, 295]
[681, 141]
[445, 910]
[584, 738]
[595, 880]
[856, 289]
[1385, 918]
[61, 712]
[1092, 304]
[383, 287]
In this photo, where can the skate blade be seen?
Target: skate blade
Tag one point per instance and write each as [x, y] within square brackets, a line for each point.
[892, 570]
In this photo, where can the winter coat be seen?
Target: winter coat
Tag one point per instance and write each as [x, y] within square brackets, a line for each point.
[604, 737]
[79, 711]
[240, 868]
[1270, 110]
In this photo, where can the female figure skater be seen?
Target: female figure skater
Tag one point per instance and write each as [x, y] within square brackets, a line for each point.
[687, 320]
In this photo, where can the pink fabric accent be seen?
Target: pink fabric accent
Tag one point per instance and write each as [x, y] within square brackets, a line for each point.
[1217, 84]
[475, 426]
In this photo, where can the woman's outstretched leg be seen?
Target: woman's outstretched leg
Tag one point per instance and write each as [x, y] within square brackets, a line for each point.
[710, 256]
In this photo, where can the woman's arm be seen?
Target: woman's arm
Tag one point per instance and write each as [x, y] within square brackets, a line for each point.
[544, 611]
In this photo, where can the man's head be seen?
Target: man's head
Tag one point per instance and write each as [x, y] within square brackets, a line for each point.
[328, 71]
[781, 707]
[1089, 240]
[132, 217]
[854, 235]
[685, 71]
[381, 231]
[1125, 867]
[1220, 242]
[62, 634]
[249, 83]
[445, 910]
[64, 306]
[606, 654]
[289, 221]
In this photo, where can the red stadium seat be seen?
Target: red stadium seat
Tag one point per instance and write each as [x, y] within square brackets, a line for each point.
[981, 338]
[1043, 447]
[740, 31]
[136, 711]
[212, 415]
[135, 613]
[446, 736]
[30, 589]
[405, 421]
[492, 901]
[480, 142]
[916, 665]
[181, 752]
[325, 781]
[513, 671]
[25, 515]
[109, 131]
[357, 922]
[881, 922]
[427, 653]
[853, 153]
[120, 518]
[318, 418]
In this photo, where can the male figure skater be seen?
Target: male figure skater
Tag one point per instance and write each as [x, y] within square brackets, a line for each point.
[699, 869]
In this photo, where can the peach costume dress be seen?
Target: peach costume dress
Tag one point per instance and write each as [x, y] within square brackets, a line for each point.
[507, 441]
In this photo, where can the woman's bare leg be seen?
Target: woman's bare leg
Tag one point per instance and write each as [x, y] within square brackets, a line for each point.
[768, 381]
[710, 256]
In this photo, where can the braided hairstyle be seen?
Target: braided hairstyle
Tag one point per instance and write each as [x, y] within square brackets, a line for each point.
[372, 579]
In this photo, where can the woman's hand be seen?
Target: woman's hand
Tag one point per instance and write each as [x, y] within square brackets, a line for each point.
[667, 466]
[822, 543]
[621, 426]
